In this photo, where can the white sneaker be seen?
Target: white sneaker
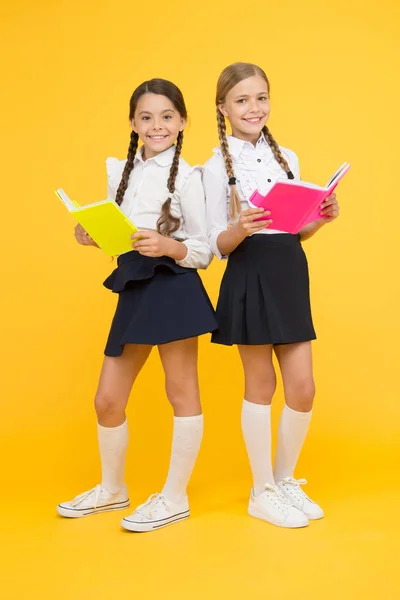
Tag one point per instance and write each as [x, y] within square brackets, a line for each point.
[290, 487]
[94, 501]
[273, 507]
[155, 513]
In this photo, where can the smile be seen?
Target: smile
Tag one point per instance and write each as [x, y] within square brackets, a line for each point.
[253, 120]
[157, 138]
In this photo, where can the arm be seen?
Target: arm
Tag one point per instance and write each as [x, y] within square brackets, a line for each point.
[224, 239]
[193, 208]
[230, 239]
[194, 252]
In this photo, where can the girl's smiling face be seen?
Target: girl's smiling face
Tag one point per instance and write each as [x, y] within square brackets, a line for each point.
[247, 107]
[157, 123]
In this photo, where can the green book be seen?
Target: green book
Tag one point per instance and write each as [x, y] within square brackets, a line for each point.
[104, 221]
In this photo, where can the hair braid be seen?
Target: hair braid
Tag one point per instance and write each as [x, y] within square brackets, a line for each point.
[167, 224]
[234, 200]
[123, 184]
[277, 152]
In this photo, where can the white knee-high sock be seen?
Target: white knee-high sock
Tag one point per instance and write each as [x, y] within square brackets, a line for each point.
[256, 428]
[293, 427]
[186, 441]
[113, 443]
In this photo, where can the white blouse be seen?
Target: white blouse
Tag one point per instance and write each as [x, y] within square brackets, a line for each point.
[147, 191]
[255, 167]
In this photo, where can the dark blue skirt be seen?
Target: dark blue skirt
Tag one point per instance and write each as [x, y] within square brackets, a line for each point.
[264, 296]
[159, 302]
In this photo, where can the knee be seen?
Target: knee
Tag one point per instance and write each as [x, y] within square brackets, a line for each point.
[260, 389]
[106, 405]
[183, 394]
[300, 396]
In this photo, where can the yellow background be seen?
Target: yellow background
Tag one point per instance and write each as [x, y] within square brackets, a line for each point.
[69, 69]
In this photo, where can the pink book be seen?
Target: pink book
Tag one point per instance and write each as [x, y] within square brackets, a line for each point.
[294, 204]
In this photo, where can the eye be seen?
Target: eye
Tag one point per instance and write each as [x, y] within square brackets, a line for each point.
[168, 117]
[145, 118]
[241, 101]
[263, 98]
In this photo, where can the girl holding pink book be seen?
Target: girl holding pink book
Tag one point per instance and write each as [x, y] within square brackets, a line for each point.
[264, 301]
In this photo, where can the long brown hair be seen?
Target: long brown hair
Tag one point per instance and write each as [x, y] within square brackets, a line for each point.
[167, 224]
[230, 77]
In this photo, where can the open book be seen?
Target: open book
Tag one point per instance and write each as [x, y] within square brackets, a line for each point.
[294, 204]
[104, 221]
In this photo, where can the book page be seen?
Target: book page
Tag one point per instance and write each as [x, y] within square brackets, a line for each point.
[336, 175]
[66, 201]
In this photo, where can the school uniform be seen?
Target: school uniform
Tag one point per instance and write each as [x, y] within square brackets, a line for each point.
[264, 296]
[160, 300]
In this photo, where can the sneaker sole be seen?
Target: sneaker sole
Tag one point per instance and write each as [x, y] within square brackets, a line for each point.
[314, 518]
[253, 512]
[75, 513]
[140, 527]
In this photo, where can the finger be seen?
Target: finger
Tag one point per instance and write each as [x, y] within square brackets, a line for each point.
[144, 241]
[143, 246]
[330, 210]
[142, 235]
[331, 197]
[262, 225]
[258, 226]
[330, 202]
[254, 217]
[253, 211]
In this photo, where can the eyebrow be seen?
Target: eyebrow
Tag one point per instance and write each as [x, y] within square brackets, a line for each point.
[147, 112]
[247, 95]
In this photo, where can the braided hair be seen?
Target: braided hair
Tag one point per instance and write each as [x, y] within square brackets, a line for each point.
[167, 224]
[230, 77]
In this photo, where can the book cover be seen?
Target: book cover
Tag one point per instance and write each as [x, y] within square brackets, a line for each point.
[294, 204]
[104, 221]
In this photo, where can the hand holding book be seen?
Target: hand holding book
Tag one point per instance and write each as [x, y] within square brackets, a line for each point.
[330, 209]
[102, 224]
[295, 204]
[250, 221]
[83, 238]
[154, 244]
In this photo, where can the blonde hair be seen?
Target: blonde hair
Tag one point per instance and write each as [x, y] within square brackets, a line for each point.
[230, 77]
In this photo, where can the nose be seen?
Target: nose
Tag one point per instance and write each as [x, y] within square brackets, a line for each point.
[157, 125]
[253, 106]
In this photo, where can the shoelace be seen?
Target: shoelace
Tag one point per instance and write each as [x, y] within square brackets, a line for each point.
[293, 487]
[96, 491]
[277, 498]
[152, 504]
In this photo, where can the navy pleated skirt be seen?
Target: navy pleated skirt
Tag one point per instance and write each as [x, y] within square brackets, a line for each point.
[264, 296]
[159, 302]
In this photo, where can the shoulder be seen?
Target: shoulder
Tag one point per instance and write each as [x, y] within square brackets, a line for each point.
[188, 174]
[292, 160]
[114, 168]
[216, 164]
[290, 156]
